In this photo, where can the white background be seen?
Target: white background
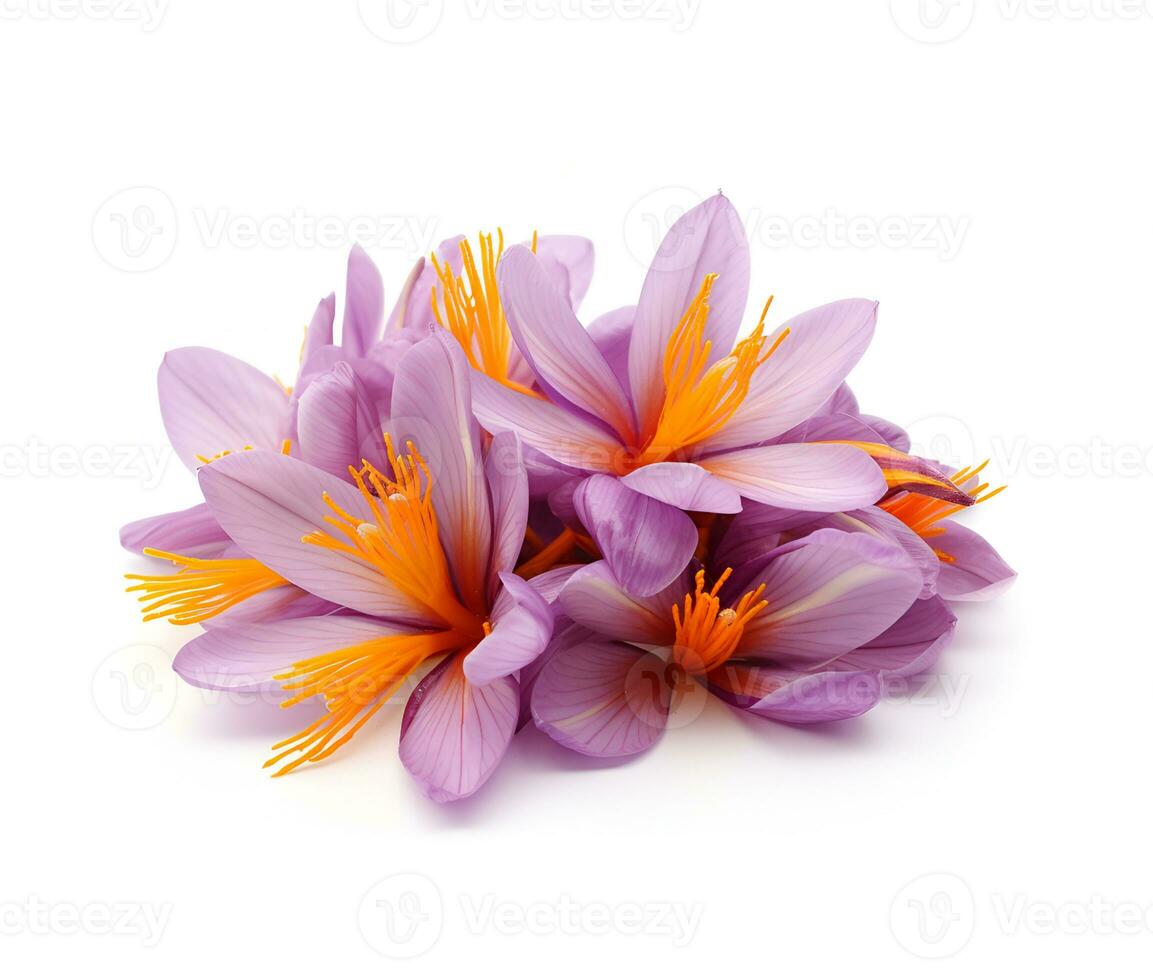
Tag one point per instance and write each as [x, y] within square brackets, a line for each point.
[1020, 776]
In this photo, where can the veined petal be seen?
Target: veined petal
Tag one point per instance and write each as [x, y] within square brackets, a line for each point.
[413, 309]
[612, 332]
[363, 304]
[796, 697]
[340, 422]
[246, 657]
[595, 598]
[432, 405]
[268, 502]
[319, 332]
[910, 646]
[212, 403]
[646, 543]
[976, 570]
[801, 476]
[707, 239]
[560, 351]
[822, 347]
[828, 594]
[568, 260]
[560, 434]
[522, 624]
[508, 490]
[685, 485]
[193, 532]
[602, 698]
[454, 733]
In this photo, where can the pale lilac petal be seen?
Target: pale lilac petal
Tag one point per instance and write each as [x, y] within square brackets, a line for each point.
[646, 543]
[707, 239]
[245, 657]
[522, 624]
[560, 434]
[319, 333]
[560, 351]
[549, 584]
[828, 594]
[685, 485]
[796, 697]
[595, 598]
[880, 523]
[193, 532]
[612, 332]
[890, 432]
[454, 733]
[363, 304]
[822, 347]
[812, 477]
[267, 503]
[432, 406]
[910, 646]
[841, 402]
[568, 259]
[341, 422]
[824, 428]
[413, 309]
[602, 698]
[752, 534]
[212, 403]
[282, 602]
[976, 572]
[508, 490]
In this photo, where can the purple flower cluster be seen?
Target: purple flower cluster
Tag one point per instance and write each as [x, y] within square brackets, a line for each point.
[538, 521]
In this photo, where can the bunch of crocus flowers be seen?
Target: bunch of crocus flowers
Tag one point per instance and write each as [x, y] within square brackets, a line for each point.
[511, 517]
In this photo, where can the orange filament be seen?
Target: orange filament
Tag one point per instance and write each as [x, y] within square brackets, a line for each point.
[706, 634]
[401, 540]
[472, 311]
[922, 513]
[203, 588]
[354, 682]
[701, 399]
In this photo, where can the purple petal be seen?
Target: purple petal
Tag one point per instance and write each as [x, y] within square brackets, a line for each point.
[340, 422]
[707, 239]
[193, 532]
[910, 646]
[827, 594]
[890, 433]
[796, 697]
[319, 333]
[646, 543]
[560, 351]
[212, 402]
[812, 477]
[560, 434]
[976, 572]
[602, 698]
[522, 624]
[595, 598]
[550, 583]
[568, 260]
[684, 485]
[454, 733]
[432, 405]
[611, 332]
[363, 304]
[267, 502]
[413, 310]
[508, 490]
[245, 657]
[802, 374]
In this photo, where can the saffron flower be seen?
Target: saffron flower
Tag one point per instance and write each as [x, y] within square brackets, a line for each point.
[418, 557]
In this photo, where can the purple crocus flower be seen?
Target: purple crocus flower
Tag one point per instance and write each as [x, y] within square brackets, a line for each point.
[419, 557]
[805, 633]
[660, 398]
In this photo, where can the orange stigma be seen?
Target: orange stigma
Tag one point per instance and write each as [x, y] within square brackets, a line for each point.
[922, 513]
[202, 588]
[701, 399]
[706, 634]
[400, 539]
[469, 307]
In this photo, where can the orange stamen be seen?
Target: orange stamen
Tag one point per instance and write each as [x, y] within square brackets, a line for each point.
[706, 634]
[202, 588]
[469, 307]
[701, 399]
